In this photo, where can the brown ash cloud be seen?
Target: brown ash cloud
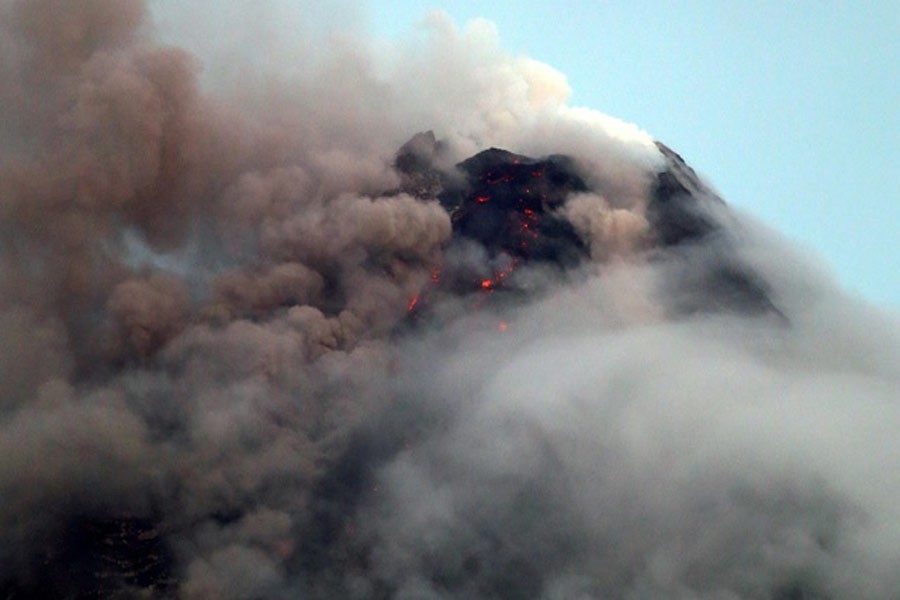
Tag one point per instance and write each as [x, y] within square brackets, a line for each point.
[214, 382]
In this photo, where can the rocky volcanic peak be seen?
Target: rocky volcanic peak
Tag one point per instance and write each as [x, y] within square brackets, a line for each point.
[676, 210]
[509, 205]
[716, 279]
[416, 162]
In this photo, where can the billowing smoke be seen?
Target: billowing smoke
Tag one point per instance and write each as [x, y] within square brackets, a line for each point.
[410, 327]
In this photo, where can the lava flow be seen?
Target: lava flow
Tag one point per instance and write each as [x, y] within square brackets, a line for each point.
[507, 204]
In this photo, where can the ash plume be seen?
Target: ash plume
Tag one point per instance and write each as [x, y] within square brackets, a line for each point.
[370, 322]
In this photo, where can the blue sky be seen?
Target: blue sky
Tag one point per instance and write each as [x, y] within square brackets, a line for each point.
[791, 109]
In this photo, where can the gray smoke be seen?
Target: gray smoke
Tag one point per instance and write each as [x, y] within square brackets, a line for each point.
[205, 280]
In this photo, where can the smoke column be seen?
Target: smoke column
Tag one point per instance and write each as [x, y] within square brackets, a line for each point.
[217, 379]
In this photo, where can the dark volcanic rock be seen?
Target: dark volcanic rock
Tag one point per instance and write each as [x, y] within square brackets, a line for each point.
[508, 203]
[713, 278]
[416, 163]
[678, 210]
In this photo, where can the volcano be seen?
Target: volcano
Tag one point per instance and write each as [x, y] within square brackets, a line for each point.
[257, 347]
[510, 205]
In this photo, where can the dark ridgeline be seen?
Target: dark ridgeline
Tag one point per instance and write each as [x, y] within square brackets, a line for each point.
[712, 277]
[506, 202]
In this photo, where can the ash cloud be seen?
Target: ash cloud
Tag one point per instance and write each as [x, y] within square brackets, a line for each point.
[233, 366]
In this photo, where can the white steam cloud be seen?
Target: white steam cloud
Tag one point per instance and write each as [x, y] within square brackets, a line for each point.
[207, 264]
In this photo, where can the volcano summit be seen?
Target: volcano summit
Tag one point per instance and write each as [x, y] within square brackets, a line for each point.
[514, 208]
